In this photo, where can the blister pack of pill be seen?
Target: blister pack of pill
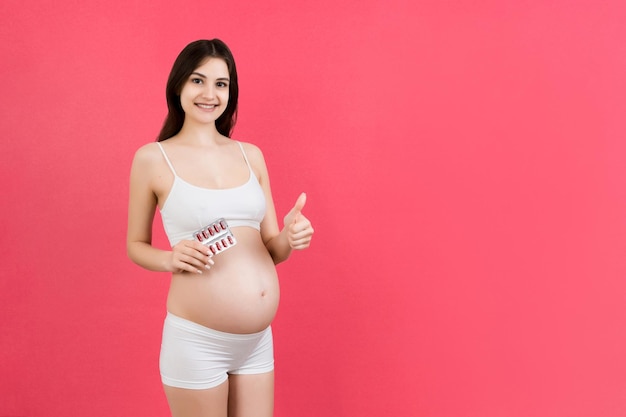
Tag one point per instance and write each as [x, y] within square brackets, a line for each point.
[217, 236]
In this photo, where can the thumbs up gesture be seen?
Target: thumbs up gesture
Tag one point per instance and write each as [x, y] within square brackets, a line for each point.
[299, 229]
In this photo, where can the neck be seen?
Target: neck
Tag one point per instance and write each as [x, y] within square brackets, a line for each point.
[201, 134]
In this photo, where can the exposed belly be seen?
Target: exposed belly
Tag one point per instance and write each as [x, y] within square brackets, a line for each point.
[239, 294]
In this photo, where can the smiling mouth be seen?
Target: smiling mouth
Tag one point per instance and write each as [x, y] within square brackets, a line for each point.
[206, 106]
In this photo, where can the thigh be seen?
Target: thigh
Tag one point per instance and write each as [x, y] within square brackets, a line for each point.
[251, 395]
[212, 402]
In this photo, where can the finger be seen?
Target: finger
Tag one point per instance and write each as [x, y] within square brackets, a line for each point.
[200, 251]
[194, 257]
[194, 262]
[301, 224]
[301, 239]
[190, 247]
[190, 255]
[300, 202]
[303, 233]
[201, 248]
[301, 244]
[185, 267]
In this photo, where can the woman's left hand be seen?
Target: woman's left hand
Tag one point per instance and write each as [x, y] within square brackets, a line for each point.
[299, 229]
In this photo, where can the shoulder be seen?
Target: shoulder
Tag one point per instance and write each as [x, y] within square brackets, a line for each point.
[253, 152]
[251, 149]
[148, 154]
[148, 161]
[256, 159]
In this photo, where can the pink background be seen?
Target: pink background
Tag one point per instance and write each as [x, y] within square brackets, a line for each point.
[465, 168]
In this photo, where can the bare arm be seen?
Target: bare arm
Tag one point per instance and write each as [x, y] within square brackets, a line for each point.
[186, 255]
[296, 232]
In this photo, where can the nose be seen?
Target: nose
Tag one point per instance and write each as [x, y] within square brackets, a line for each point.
[209, 91]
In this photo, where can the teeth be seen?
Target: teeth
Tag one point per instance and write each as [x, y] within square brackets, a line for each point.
[206, 106]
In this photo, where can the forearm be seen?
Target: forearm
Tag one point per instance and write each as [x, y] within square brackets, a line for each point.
[279, 247]
[149, 257]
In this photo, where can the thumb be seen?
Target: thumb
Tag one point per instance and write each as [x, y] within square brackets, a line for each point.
[297, 208]
[300, 202]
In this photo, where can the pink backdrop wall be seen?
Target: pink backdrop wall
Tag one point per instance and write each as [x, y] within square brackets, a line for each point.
[464, 163]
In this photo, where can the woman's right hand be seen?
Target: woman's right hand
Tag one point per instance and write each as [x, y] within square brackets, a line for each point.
[190, 256]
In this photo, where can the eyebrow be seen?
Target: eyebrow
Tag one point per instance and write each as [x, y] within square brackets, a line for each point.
[205, 77]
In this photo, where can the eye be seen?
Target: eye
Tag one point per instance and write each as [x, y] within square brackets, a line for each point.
[222, 84]
[196, 80]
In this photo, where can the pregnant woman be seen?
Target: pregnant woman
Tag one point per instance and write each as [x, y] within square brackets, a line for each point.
[217, 351]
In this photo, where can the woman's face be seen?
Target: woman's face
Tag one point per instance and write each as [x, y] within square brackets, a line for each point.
[204, 96]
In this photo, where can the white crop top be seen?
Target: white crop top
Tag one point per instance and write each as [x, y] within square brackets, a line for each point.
[189, 207]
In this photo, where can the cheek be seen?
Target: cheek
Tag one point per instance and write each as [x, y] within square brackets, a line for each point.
[187, 95]
[184, 101]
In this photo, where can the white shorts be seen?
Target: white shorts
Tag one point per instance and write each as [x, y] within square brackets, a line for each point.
[196, 357]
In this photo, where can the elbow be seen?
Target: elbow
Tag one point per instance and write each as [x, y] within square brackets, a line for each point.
[279, 254]
[278, 248]
[278, 259]
[130, 252]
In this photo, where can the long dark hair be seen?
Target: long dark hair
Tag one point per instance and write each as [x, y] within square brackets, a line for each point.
[190, 58]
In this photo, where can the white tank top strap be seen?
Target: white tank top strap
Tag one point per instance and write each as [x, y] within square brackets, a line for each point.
[168, 160]
[245, 156]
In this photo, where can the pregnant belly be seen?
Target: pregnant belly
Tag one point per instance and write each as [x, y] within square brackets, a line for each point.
[239, 294]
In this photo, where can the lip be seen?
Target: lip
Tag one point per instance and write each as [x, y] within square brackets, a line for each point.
[205, 106]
